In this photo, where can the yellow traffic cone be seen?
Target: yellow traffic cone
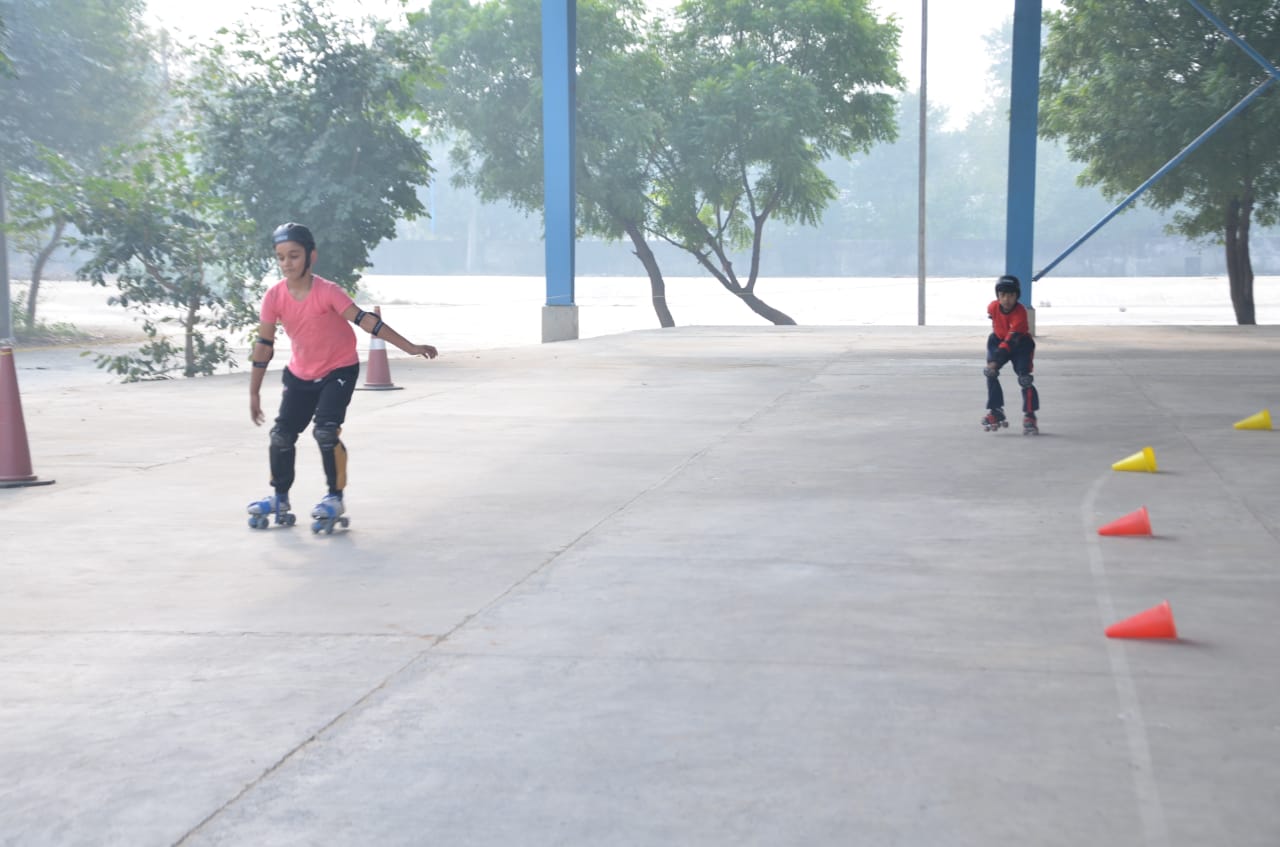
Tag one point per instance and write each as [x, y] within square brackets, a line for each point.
[1144, 460]
[1262, 420]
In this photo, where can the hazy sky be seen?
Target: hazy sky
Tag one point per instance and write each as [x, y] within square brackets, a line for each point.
[957, 63]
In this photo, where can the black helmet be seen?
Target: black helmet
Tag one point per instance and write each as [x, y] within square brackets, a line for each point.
[1008, 282]
[294, 232]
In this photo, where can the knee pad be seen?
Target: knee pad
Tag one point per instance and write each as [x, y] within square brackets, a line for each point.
[282, 439]
[326, 436]
[991, 373]
[1025, 380]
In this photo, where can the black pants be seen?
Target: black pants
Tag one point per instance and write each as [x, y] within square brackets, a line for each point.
[1022, 358]
[324, 400]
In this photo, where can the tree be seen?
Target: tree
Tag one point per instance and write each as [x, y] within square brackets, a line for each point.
[317, 128]
[83, 80]
[697, 137]
[1128, 85]
[177, 251]
[489, 104]
[760, 96]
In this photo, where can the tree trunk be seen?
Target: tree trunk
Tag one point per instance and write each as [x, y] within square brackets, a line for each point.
[37, 271]
[747, 295]
[1239, 263]
[189, 327]
[657, 285]
[766, 311]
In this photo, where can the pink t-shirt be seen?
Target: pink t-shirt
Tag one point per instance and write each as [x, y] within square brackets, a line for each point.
[322, 340]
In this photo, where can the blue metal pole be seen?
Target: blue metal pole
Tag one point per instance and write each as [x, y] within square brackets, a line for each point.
[559, 59]
[1020, 220]
[1158, 175]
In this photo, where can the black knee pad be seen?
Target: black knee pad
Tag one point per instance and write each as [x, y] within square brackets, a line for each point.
[326, 436]
[991, 373]
[1025, 380]
[282, 439]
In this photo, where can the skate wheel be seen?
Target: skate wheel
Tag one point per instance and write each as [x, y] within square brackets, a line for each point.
[288, 520]
[345, 522]
[317, 526]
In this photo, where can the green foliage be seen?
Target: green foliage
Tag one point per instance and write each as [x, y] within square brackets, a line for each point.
[179, 254]
[29, 331]
[491, 96]
[1129, 85]
[697, 136]
[315, 126]
[762, 95]
[84, 79]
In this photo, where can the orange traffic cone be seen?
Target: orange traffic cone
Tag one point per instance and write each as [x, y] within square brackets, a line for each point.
[1143, 460]
[1156, 622]
[378, 373]
[1261, 420]
[1134, 523]
[15, 456]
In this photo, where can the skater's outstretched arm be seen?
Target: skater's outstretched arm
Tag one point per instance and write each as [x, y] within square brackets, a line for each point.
[372, 323]
[261, 354]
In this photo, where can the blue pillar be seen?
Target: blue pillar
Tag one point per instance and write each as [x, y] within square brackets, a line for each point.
[559, 60]
[1020, 221]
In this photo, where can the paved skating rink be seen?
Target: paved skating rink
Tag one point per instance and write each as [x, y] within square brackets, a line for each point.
[701, 586]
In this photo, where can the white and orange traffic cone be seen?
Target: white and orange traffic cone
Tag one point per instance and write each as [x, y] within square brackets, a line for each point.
[378, 373]
[15, 456]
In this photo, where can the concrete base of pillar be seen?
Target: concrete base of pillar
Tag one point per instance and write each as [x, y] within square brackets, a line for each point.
[559, 323]
[1031, 319]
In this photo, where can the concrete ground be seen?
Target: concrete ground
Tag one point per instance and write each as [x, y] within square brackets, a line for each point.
[707, 586]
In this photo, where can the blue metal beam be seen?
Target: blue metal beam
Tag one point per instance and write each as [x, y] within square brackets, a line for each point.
[1020, 210]
[559, 69]
[1158, 175]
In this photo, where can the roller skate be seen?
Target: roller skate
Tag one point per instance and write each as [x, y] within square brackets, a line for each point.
[994, 420]
[328, 514]
[260, 512]
[1030, 425]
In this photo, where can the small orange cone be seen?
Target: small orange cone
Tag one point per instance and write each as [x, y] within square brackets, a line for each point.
[378, 373]
[15, 456]
[1143, 460]
[1156, 622]
[1262, 420]
[1135, 523]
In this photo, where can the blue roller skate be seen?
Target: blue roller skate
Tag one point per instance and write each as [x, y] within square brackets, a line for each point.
[328, 514]
[260, 512]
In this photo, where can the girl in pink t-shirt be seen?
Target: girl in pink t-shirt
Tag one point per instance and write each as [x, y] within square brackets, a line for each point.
[319, 379]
